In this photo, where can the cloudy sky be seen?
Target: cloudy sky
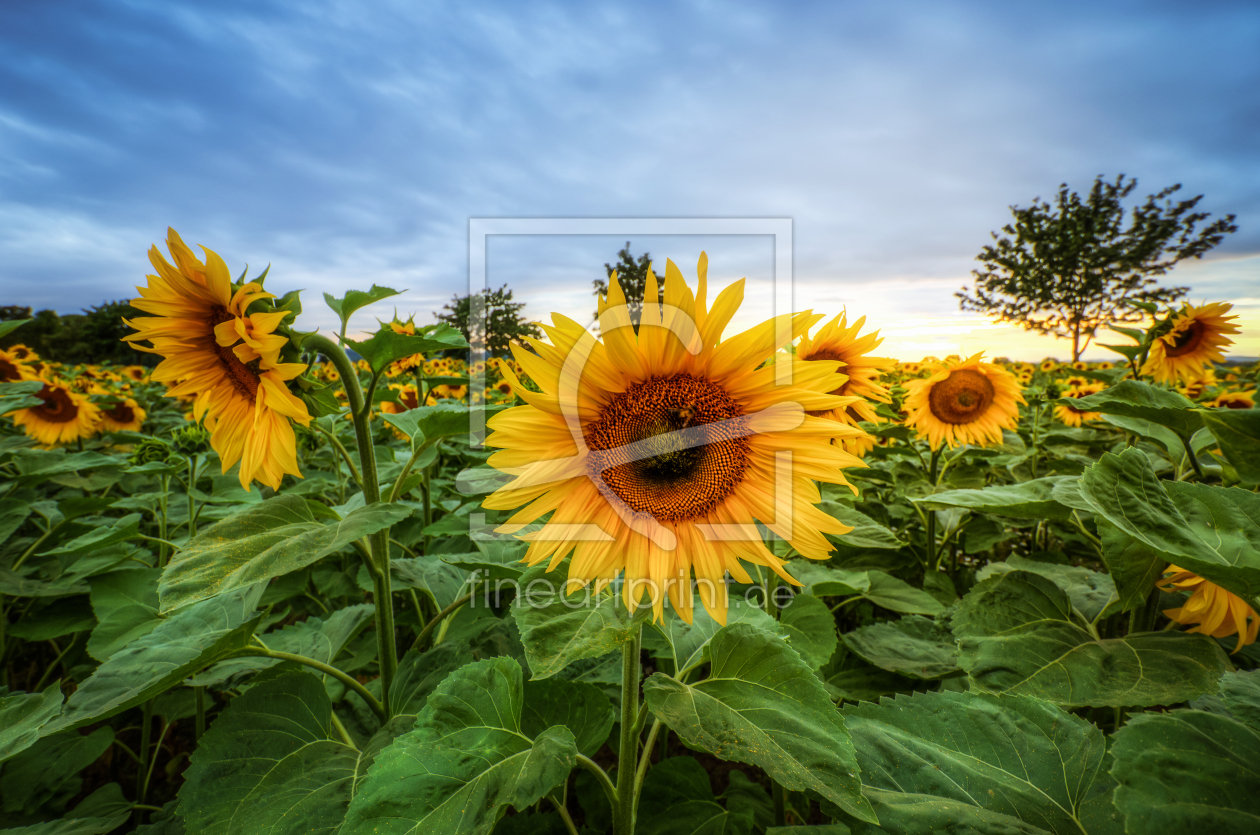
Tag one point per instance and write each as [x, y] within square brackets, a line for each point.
[348, 143]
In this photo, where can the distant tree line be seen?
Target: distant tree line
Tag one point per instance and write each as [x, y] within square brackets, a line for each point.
[93, 336]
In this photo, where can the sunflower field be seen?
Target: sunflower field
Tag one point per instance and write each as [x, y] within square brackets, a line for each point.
[667, 579]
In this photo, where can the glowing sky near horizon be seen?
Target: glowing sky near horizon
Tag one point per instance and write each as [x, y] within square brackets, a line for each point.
[348, 144]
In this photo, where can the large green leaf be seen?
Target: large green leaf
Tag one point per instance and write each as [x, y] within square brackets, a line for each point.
[1131, 398]
[557, 629]
[267, 540]
[126, 606]
[466, 758]
[882, 589]
[810, 628]
[39, 464]
[1187, 772]
[22, 715]
[1029, 500]
[1212, 531]
[688, 641]
[19, 395]
[1166, 438]
[866, 533]
[13, 512]
[446, 418]
[978, 756]
[63, 616]
[271, 763]
[1240, 691]
[762, 705]
[182, 644]
[45, 775]
[102, 811]
[677, 799]
[582, 708]
[1134, 566]
[907, 813]
[419, 674]
[1089, 591]
[122, 530]
[1238, 433]
[353, 300]
[1017, 634]
[385, 346]
[912, 646]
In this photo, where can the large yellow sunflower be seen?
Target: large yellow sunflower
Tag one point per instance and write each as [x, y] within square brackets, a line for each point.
[1196, 338]
[64, 416]
[654, 453]
[1211, 609]
[857, 377]
[124, 416]
[227, 358]
[963, 402]
[1234, 400]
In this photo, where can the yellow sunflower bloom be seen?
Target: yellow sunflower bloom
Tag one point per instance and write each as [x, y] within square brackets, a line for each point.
[963, 402]
[227, 358]
[135, 373]
[1075, 417]
[1211, 609]
[1234, 400]
[126, 416]
[64, 416]
[13, 368]
[1048, 365]
[1196, 338]
[654, 453]
[858, 375]
[408, 399]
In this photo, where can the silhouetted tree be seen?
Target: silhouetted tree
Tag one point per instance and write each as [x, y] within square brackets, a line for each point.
[504, 323]
[632, 275]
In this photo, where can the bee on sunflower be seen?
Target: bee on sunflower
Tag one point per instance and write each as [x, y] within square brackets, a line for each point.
[655, 452]
[1211, 609]
[219, 344]
[64, 416]
[857, 377]
[1195, 339]
[963, 402]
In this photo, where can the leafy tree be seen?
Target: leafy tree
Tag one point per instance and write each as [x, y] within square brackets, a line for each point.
[504, 322]
[90, 337]
[1069, 267]
[632, 275]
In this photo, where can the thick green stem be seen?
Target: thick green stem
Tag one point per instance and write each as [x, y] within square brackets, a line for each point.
[931, 514]
[1194, 461]
[146, 728]
[192, 503]
[647, 756]
[628, 752]
[406, 471]
[387, 648]
[342, 451]
[200, 727]
[780, 803]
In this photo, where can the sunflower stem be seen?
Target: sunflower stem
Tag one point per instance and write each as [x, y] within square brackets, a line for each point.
[386, 640]
[628, 751]
[931, 514]
[1194, 461]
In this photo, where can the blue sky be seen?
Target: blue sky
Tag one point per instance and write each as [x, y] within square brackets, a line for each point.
[350, 143]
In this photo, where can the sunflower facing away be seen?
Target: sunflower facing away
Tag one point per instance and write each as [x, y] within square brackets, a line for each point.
[963, 402]
[858, 375]
[1196, 338]
[655, 452]
[226, 357]
[64, 416]
[1211, 609]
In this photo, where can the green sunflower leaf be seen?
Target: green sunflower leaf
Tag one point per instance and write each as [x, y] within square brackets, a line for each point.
[911, 646]
[1019, 634]
[762, 705]
[810, 628]
[582, 708]
[353, 300]
[1030, 500]
[1212, 531]
[23, 714]
[1187, 771]
[466, 759]
[678, 800]
[267, 540]
[1135, 399]
[1238, 433]
[385, 347]
[967, 762]
[272, 762]
[21, 395]
[446, 418]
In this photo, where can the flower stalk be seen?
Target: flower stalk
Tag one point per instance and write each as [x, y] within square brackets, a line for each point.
[628, 750]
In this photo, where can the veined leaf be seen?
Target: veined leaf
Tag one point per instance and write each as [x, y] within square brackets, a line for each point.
[126, 606]
[1089, 591]
[978, 756]
[582, 708]
[866, 533]
[1029, 500]
[688, 641]
[267, 540]
[271, 763]
[1238, 433]
[1017, 635]
[19, 395]
[557, 629]
[810, 629]
[878, 587]
[762, 705]
[182, 644]
[419, 674]
[353, 300]
[1187, 771]
[912, 646]
[1132, 398]
[466, 758]
[678, 800]
[1212, 531]
[23, 714]
[446, 418]
[385, 346]
[1134, 566]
